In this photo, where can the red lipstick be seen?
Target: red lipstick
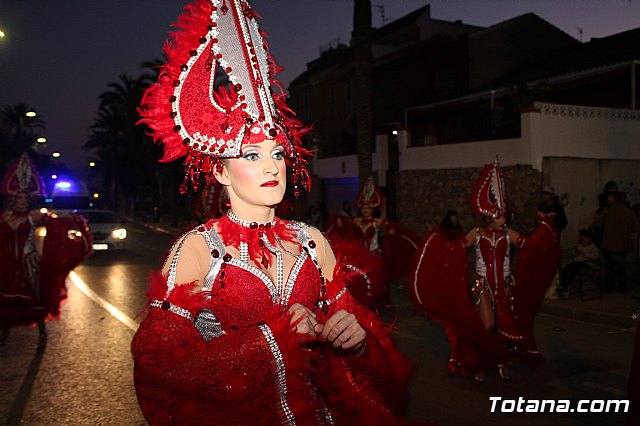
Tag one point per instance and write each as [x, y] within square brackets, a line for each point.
[270, 184]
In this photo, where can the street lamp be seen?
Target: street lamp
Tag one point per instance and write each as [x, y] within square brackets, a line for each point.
[56, 155]
[92, 163]
[30, 114]
[54, 177]
[2, 34]
[41, 140]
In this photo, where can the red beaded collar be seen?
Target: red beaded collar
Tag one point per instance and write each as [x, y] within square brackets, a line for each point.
[234, 231]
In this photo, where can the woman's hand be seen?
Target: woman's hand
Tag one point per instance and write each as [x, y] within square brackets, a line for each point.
[32, 261]
[343, 331]
[308, 321]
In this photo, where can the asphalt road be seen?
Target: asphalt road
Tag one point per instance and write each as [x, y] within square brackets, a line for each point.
[84, 376]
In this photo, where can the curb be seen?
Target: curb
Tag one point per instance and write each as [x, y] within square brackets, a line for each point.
[591, 316]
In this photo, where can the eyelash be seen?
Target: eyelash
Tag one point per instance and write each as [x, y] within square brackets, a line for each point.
[254, 156]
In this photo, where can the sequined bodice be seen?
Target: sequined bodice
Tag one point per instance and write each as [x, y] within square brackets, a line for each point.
[492, 254]
[248, 293]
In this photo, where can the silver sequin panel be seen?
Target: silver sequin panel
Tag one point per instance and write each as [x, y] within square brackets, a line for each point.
[281, 372]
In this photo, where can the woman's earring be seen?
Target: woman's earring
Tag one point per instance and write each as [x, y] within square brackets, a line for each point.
[219, 167]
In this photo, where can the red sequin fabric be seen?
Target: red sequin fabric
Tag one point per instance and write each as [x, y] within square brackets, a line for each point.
[260, 371]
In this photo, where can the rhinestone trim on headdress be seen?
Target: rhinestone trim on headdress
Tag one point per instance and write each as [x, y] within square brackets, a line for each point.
[23, 177]
[489, 195]
[369, 194]
[190, 116]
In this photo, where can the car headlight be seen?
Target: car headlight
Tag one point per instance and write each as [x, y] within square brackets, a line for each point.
[120, 234]
[72, 234]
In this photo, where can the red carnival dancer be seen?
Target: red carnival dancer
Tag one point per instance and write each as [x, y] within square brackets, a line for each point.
[392, 245]
[498, 311]
[33, 272]
[250, 320]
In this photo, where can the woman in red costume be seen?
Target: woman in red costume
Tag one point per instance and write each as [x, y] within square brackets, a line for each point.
[250, 320]
[32, 284]
[393, 247]
[493, 314]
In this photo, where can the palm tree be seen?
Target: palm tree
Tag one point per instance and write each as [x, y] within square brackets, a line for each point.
[126, 158]
[361, 40]
[18, 134]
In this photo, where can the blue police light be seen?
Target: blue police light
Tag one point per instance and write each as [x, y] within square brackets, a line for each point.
[64, 186]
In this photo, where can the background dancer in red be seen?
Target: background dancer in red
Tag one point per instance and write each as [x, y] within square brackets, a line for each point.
[33, 272]
[250, 320]
[392, 245]
[501, 307]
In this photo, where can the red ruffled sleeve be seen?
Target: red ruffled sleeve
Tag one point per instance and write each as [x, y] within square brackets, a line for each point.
[399, 246]
[250, 375]
[370, 388]
[439, 284]
[537, 263]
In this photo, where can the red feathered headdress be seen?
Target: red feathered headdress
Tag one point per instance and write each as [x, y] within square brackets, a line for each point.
[191, 115]
[369, 194]
[489, 195]
[23, 176]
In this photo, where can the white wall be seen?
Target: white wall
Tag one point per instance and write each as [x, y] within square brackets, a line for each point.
[554, 131]
[346, 166]
[584, 132]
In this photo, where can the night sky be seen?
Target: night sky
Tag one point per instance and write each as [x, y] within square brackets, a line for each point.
[59, 55]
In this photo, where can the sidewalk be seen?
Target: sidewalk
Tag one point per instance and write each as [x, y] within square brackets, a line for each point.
[611, 310]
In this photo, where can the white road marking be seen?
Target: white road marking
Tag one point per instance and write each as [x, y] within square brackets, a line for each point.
[117, 313]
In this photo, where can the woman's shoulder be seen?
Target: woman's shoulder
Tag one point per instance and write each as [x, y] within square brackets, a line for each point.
[302, 231]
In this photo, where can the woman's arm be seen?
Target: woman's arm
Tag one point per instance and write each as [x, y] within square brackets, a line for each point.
[341, 328]
[471, 237]
[192, 262]
[326, 258]
[515, 238]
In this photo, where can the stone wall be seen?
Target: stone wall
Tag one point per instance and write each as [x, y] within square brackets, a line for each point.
[424, 196]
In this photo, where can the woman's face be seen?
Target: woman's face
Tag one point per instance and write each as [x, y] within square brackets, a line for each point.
[258, 177]
[367, 211]
[453, 219]
[498, 222]
[21, 202]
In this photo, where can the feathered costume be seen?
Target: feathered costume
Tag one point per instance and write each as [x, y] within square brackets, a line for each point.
[29, 295]
[229, 352]
[440, 284]
[392, 245]
[219, 347]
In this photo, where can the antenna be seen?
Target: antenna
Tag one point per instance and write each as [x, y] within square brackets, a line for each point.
[380, 7]
[580, 31]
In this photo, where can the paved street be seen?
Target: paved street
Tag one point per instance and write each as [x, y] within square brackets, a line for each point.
[83, 377]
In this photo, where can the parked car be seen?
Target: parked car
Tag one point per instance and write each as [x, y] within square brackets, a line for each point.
[107, 230]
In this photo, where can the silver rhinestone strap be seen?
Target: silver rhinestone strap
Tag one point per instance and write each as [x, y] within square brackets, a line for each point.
[246, 223]
[279, 266]
[361, 272]
[304, 237]
[215, 243]
[334, 299]
[281, 372]
[260, 274]
[171, 278]
[167, 306]
[293, 276]
[244, 252]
